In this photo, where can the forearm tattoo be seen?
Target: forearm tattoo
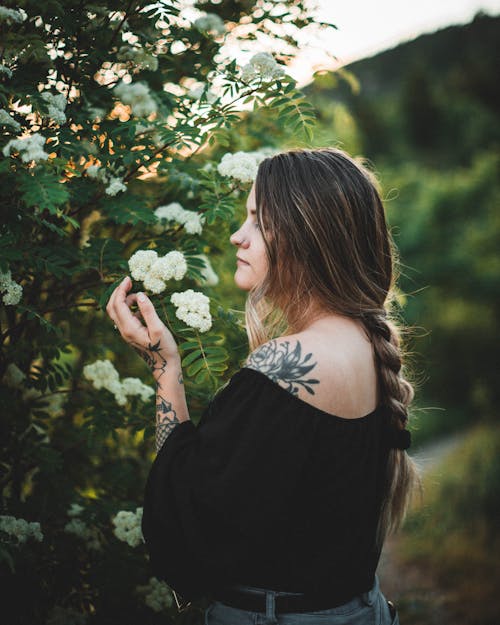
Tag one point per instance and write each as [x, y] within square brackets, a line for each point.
[166, 419]
[152, 356]
[284, 365]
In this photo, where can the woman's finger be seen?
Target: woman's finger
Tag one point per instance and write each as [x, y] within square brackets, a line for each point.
[110, 306]
[154, 323]
[121, 312]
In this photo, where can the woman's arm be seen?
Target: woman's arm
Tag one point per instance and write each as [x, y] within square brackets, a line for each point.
[171, 405]
[156, 345]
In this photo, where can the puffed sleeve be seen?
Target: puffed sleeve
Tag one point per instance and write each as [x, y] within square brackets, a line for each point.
[213, 489]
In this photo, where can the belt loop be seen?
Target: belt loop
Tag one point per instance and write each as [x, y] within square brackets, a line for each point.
[270, 607]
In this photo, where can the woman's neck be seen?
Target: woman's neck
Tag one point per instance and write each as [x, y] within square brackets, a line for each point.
[300, 320]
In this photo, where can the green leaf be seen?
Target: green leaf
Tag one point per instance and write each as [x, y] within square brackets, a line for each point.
[187, 345]
[44, 191]
[218, 368]
[5, 556]
[216, 351]
[195, 367]
[190, 358]
[201, 377]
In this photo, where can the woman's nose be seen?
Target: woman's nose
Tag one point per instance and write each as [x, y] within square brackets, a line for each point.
[238, 239]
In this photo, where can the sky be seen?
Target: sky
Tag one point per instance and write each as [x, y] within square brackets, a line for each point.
[366, 27]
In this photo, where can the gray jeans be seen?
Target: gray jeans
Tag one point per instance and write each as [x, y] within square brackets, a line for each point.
[368, 608]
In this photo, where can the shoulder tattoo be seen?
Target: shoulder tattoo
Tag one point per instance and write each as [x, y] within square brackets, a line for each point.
[285, 365]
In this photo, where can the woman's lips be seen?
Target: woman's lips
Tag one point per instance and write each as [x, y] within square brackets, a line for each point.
[240, 260]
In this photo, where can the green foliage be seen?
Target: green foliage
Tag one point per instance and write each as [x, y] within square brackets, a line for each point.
[75, 207]
[43, 191]
[456, 530]
[447, 228]
[206, 359]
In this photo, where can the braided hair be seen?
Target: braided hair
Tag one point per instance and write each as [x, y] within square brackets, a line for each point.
[330, 244]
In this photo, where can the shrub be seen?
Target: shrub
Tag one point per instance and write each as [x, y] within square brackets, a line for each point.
[108, 112]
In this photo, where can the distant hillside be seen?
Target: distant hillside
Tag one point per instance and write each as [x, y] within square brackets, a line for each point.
[456, 52]
[441, 91]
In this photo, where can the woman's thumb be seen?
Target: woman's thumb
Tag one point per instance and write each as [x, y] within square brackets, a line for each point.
[148, 312]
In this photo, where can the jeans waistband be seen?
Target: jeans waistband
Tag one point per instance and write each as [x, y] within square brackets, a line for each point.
[257, 599]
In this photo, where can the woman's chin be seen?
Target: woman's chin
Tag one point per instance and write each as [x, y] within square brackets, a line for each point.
[242, 282]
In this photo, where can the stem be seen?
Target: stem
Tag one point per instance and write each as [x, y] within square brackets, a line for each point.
[204, 357]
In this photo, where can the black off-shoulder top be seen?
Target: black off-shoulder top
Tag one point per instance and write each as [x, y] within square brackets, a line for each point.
[267, 491]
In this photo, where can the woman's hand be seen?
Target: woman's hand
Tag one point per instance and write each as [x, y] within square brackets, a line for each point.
[153, 341]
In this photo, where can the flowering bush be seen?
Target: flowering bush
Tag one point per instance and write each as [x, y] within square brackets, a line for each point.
[119, 154]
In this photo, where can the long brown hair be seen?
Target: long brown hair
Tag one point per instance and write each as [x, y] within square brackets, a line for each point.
[328, 244]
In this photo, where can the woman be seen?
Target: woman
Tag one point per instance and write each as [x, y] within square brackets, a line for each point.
[277, 505]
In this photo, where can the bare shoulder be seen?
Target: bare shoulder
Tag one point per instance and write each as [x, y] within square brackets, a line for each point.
[332, 370]
[287, 362]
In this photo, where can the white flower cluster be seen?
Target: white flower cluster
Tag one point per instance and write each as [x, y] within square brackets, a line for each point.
[5, 70]
[193, 308]
[261, 66]
[95, 172]
[12, 15]
[89, 534]
[128, 527]
[56, 105]
[154, 271]
[12, 291]
[7, 120]
[65, 616]
[75, 509]
[192, 222]
[197, 90]
[134, 386]
[115, 185]
[243, 166]
[103, 374]
[20, 529]
[210, 23]
[139, 56]
[240, 165]
[138, 97]
[95, 113]
[30, 148]
[13, 376]
[158, 594]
